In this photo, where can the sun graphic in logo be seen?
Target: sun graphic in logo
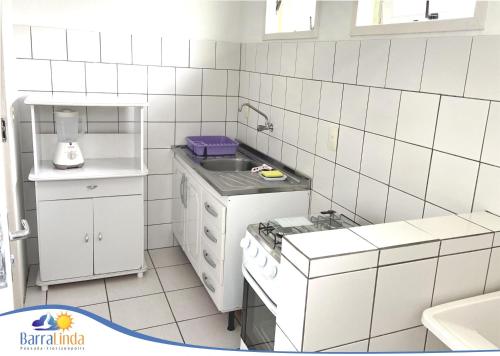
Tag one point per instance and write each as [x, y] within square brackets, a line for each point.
[64, 321]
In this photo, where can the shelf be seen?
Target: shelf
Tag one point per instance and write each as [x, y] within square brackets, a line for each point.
[82, 100]
[93, 168]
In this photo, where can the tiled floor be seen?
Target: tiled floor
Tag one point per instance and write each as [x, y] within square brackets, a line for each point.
[169, 302]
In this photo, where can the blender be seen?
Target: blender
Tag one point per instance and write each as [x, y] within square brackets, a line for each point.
[68, 153]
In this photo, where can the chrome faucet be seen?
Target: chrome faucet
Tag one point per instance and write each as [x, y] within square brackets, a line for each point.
[267, 126]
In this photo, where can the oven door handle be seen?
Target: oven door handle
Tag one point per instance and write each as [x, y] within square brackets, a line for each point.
[268, 302]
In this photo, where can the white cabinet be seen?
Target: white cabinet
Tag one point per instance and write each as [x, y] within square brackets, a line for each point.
[191, 244]
[179, 206]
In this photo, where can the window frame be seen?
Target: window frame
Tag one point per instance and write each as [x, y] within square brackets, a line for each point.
[466, 24]
[296, 35]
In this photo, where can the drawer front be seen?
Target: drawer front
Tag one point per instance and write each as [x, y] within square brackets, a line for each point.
[88, 188]
[214, 213]
[210, 264]
[213, 239]
[213, 288]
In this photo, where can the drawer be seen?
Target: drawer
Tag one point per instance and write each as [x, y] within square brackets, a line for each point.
[211, 264]
[88, 188]
[213, 239]
[213, 288]
[214, 213]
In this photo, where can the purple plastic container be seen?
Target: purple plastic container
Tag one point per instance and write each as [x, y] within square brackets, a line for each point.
[212, 145]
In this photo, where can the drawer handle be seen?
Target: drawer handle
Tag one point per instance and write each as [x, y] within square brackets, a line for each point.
[210, 210]
[99, 236]
[210, 236]
[209, 259]
[92, 186]
[86, 237]
[207, 284]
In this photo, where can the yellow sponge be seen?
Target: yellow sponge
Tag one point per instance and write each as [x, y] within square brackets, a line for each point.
[272, 174]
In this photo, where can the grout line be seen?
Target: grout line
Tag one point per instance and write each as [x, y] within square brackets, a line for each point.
[468, 65]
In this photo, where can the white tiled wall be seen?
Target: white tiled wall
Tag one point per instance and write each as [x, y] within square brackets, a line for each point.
[192, 88]
[418, 121]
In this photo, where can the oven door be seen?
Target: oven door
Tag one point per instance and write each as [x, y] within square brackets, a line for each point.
[258, 320]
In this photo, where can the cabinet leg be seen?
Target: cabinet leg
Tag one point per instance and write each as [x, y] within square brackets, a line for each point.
[44, 288]
[230, 321]
[140, 274]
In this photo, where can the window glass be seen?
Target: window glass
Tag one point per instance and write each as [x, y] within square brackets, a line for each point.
[285, 16]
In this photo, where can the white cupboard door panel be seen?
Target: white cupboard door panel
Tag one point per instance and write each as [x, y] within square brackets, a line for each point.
[65, 239]
[178, 211]
[193, 220]
[118, 233]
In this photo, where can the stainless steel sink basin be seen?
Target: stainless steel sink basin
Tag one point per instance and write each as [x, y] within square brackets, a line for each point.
[228, 164]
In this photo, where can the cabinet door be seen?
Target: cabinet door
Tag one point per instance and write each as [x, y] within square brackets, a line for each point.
[178, 208]
[193, 222]
[65, 239]
[118, 233]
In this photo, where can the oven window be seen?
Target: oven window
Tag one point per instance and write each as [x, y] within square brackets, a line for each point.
[258, 323]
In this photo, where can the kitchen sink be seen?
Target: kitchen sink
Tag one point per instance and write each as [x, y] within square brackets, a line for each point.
[229, 164]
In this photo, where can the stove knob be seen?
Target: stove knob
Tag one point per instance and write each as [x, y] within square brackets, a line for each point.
[245, 243]
[261, 261]
[270, 272]
[253, 251]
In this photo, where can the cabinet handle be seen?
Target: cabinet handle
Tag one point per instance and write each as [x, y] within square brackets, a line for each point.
[209, 259]
[86, 237]
[210, 210]
[92, 186]
[209, 234]
[207, 284]
[99, 236]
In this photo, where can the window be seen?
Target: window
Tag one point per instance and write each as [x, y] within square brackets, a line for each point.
[406, 16]
[290, 19]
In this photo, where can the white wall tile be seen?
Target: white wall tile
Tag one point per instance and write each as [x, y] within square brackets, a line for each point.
[231, 109]
[213, 108]
[377, 157]
[160, 135]
[288, 58]
[254, 87]
[483, 66]
[331, 101]
[491, 147]
[202, 54]
[233, 83]
[406, 60]
[372, 198]
[214, 82]
[22, 41]
[445, 66]
[187, 108]
[159, 211]
[434, 344]
[232, 129]
[244, 84]
[324, 55]
[373, 57]
[213, 128]
[460, 126]
[403, 292]
[250, 56]
[48, 43]
[431, 210]
[354, 103]
[311, 90]
[132, 79]
[493, 279]
[323, 176]
[412, 340]
[33, 75]
[279, 91]
[305, 163]
[345, 69]
[325, 148]
[160, 186]
[414, 159]
[261, 58]
[276, 118]
[160, 161]
[360, 346]
[84, 46]
[305, 60]
[274, 58]
[382, 114]
[101, 78]
[401, 206]
[188, 81]
[308, 129]
[488, 190]
[275, 148]
[454, 282]
[68, 76]
[345, 187]
[293, 94]
[318, 203]
[184, 129]
[266, 88]
[291, 128]
[116, 47]
[161, 108]
[349, 147]
[161, 80]
[417, 118]
[160, 236]
[329, 320]
[175, 52]
[227, 55]
[146, 49]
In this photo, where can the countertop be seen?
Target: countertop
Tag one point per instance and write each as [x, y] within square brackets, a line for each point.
[244, 182]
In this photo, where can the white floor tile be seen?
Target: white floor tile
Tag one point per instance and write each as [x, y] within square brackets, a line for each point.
[132, 286]
[142, 312]
[210, 331]
[178, 277]
[191, 303]
[101, 310]
[77, 294]
[168, 332]
[34, 296]
[171, 256]
[147, 258]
